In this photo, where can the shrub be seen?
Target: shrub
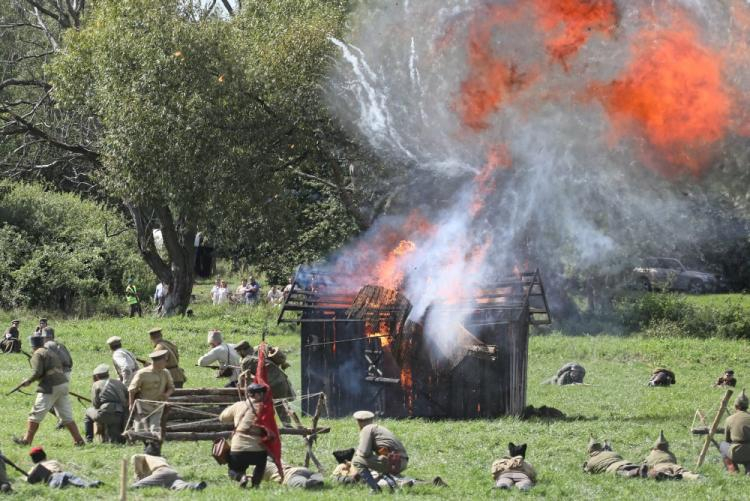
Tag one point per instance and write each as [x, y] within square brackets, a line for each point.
[671, 315]
[56, 254]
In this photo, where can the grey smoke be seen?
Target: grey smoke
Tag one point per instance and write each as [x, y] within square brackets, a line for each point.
[574, 199]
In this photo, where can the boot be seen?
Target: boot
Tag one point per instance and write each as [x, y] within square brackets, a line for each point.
[731, 467]
[371, 483]
[88, 430]
[31, 428]
[73, 429]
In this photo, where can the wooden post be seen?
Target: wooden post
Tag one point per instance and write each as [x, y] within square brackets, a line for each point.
[714, 425]
[124, 480]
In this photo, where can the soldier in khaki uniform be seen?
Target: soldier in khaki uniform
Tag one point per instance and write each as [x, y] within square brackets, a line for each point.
[173, 356]
[52, 392]
[662, 464]
[513, 470]
[602, 459]
[281, 387]
[735, 450]
[154, 471]
[109, 400]
[294, 476]
[152, 383]
[378, 450]
[247, 446]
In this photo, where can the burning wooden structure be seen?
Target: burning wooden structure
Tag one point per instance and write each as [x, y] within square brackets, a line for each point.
[363, 352]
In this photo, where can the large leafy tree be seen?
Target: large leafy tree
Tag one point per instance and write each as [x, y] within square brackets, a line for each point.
[186, 119]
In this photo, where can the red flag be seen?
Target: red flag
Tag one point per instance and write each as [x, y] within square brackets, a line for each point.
[267, 417]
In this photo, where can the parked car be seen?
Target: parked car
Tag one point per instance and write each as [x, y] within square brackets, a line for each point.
[666, 273]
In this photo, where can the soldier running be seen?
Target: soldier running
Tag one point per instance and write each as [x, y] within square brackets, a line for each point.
[173, 356]
[109, 400]
[52, 392]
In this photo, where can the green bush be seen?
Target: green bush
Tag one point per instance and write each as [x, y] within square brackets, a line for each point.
[57, 256]
[672, 315]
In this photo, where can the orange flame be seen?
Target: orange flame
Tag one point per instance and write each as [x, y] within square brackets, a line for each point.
[389, 271]
[408, 386]
[568, 24]
[673, 92]
[491, 79]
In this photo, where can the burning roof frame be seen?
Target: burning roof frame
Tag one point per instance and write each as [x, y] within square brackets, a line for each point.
[525, 291]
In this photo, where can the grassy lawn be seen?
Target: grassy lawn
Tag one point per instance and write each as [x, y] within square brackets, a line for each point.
[720, 300]
[617, 405]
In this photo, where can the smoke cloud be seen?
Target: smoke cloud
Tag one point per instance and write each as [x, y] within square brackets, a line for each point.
[563, 134]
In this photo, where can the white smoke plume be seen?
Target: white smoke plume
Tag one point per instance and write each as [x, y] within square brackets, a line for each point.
[567, 169]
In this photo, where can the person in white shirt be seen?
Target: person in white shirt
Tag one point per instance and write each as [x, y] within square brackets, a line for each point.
[125, 362]
[225, 355]
[215, 289]
[219, 295]
[275, 296]
[160, 295]
[288, 288]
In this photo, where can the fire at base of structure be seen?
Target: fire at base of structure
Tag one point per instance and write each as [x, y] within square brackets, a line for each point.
[362, 352]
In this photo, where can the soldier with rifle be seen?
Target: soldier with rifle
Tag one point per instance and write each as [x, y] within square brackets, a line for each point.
[11, 342]
[225, 355]
[52, 392]
[378, 450]
[59, 349]
[281, 387]
[126, 364]
[109, 398]
[173, 356]
[150, 385]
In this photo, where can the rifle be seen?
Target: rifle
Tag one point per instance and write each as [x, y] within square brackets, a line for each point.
[17, 388]
[27, 355]
[80, 397]
[14, 465]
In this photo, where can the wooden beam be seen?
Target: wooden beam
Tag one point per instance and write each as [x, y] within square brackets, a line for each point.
[714, 426]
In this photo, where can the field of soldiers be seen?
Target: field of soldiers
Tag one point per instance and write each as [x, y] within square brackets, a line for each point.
[615, 404]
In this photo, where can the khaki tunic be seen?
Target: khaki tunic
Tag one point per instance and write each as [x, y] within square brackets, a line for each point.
[605, 461]
[47, 369]
[150, 384]
[277, 378]
[145, 464]
[375, 444]
[173, 360]
[247, 436]
[738, 434]
[62, 352]
[514, 464]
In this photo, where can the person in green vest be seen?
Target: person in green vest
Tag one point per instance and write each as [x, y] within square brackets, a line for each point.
[602, 459]
[662, 464]
[735, 449]
[133, 299]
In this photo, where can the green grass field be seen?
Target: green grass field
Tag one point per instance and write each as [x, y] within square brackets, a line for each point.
[617, 405]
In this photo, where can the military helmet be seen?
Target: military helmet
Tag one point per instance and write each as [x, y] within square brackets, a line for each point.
[594, 445]
[742, 401]
[36, 341]
[661, 442]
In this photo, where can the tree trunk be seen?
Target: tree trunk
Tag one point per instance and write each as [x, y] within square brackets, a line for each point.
[179, 243]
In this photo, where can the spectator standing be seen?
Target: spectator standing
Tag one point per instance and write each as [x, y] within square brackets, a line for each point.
[253, 292]
[241, 291]
[160, 295]
[288, 288]
[133, 299]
